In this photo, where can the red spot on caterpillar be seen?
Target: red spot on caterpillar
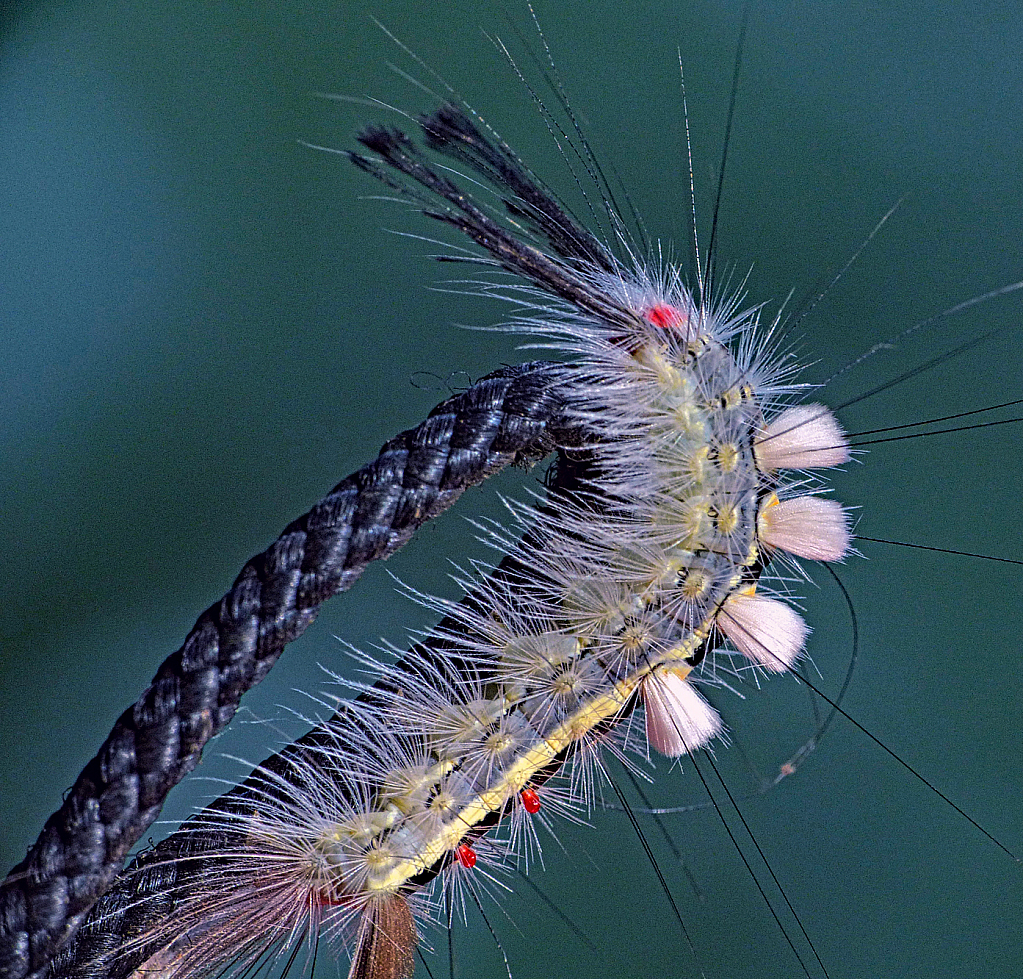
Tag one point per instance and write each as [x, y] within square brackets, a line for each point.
[666, 317]
[530, 801]
[466, 856]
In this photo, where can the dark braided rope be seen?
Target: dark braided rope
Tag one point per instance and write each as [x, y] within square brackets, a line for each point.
[145, 897]
[511, 416]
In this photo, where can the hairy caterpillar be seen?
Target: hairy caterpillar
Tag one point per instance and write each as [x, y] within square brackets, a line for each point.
[974, 627]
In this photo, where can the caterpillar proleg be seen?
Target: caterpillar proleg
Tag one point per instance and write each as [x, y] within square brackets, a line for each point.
[936, 688]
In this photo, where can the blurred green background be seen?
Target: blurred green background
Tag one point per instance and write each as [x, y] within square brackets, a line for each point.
[205, 325]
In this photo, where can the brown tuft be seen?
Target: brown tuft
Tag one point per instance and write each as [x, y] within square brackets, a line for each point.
[387, 942]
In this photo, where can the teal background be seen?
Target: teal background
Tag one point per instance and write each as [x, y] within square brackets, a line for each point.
[205, 324]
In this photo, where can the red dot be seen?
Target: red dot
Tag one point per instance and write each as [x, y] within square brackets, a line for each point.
[530, 801]
[326, 900]
[466, 856]
[666, 316]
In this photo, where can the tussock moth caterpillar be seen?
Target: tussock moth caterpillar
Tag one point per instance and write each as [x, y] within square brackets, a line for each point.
[952, 239]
